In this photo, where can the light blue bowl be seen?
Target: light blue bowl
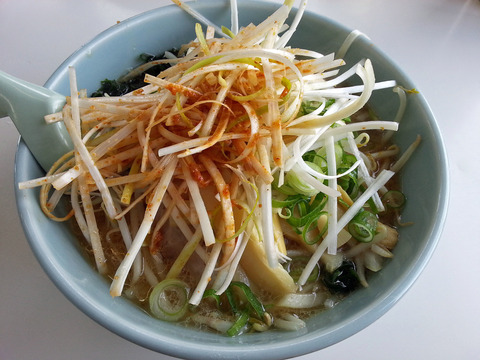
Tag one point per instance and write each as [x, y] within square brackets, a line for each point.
[425, 181]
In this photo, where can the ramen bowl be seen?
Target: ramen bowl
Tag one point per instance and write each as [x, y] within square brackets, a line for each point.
[424, 180]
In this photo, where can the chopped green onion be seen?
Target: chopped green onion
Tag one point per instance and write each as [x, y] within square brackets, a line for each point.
[285, 215]
[298, 186]
[285, 95]
[249, 97]
[231, 299]
[339, 153]
[201, 39]
[308, 210]
[260, 111]
[363, 226]
[179, 106]
[309, 106]
[285, 82]
[372, 206]
[349, 159]
[287, 202]
[394, 199]
[203, 63]
[311, 225]
[212, 293]
[302, 213]
[243, 312]
[169, 300]
[242, 228]
[313, 157]
[343, 203]
[239, 324]
[228, 32]
[252, 299]
[349, 182]
[251, 62]
[284, 189]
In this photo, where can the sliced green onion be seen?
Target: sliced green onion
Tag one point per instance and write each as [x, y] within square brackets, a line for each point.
[349, 159]
[260, 111]
[343, 203]
[241, 98]
[304, 210]
[228, 32]
[239, 324]
[169, 300]
[284, 189]
[212, 293]
[250, 213]
[252, 299]
[339, 153]
[285, 82]
[349, 182]
[307, 107]
[221, 80]
[311, 225]
[231, 299]
[300, 187]
[179, 106]
[372, 206]
[202, 63]
[243, 312]
[285, 215]
[285, 95]
[251, 62]
[363, 226]
[201, 39]
[287, 202]
[394, 199]
[313, 157]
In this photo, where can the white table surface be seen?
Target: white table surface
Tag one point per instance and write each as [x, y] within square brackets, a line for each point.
[436, 42]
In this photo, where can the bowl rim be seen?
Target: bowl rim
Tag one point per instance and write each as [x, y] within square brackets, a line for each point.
[177, 347]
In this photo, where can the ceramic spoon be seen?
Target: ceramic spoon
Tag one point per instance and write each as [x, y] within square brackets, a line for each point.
[26, 104]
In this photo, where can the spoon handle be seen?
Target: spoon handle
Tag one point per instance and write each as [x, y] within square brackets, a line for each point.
[27, 104]
[16, 92]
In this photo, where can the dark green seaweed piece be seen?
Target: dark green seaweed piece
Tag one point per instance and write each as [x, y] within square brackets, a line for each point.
[118, 88]
[342, 280]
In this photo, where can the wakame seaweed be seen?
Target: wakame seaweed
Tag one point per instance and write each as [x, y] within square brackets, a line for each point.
[342, 280]
[114, 87]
